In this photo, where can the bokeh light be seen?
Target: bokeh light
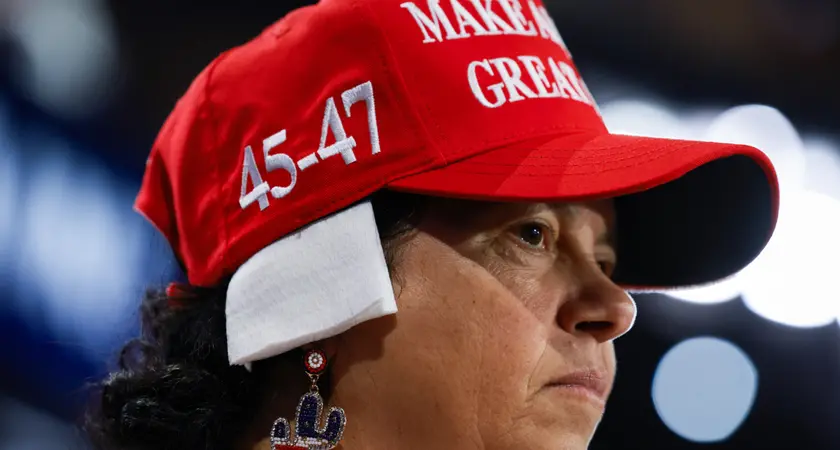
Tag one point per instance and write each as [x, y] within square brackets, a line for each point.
[70, 54]
[704, 388]
[643, 118]
[793, 280]
[8, 195]
[822, 167]
[70, 240]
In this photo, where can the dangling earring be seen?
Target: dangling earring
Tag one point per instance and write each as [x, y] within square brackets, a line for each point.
[309, 434]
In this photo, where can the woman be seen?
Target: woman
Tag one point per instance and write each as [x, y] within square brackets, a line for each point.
[411, 211]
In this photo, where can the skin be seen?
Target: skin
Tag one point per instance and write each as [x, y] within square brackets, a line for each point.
[496, 302]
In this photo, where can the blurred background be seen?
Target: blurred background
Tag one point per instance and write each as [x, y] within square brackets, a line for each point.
[753, 362]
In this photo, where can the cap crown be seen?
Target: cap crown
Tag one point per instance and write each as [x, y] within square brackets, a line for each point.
[336, 100]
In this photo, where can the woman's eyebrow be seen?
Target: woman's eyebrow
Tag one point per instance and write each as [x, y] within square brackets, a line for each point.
[606, 237]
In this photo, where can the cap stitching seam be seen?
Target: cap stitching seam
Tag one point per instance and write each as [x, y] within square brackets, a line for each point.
[601, 169]
[223, 256]
[589, 161]
[502, 141]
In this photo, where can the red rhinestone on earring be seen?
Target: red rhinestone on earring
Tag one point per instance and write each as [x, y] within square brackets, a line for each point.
[315, 362]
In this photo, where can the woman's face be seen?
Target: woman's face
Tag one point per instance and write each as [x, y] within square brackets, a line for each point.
[503, 339]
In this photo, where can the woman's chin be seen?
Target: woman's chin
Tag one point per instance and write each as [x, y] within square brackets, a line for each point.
[559, 421]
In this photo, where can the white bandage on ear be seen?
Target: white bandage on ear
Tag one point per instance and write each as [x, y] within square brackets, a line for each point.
[310, 285]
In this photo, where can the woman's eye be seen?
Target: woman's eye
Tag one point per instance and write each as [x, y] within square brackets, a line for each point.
[533, 234]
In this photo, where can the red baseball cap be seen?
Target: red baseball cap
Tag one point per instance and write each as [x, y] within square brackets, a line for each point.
[474, 99]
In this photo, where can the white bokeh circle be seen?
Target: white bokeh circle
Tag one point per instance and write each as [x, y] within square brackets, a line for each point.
[642, 118]
[822, 172]
[793, 280]
[704, 389]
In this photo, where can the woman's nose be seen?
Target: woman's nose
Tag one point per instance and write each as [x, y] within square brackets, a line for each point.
[597, 307]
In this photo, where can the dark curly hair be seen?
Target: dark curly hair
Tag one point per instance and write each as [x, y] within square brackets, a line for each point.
[173, 387]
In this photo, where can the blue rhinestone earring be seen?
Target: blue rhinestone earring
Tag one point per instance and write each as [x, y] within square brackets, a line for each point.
[309, 434]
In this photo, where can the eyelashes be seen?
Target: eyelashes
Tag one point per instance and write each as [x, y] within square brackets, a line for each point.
[537, 238]
[535, 235]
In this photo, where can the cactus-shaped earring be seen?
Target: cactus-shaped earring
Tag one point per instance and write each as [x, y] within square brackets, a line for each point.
[309, 433]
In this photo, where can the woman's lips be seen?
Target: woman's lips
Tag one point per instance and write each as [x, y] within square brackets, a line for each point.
[589, 384]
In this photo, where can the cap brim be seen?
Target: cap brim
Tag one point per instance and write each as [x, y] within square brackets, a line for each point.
[688, 212]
